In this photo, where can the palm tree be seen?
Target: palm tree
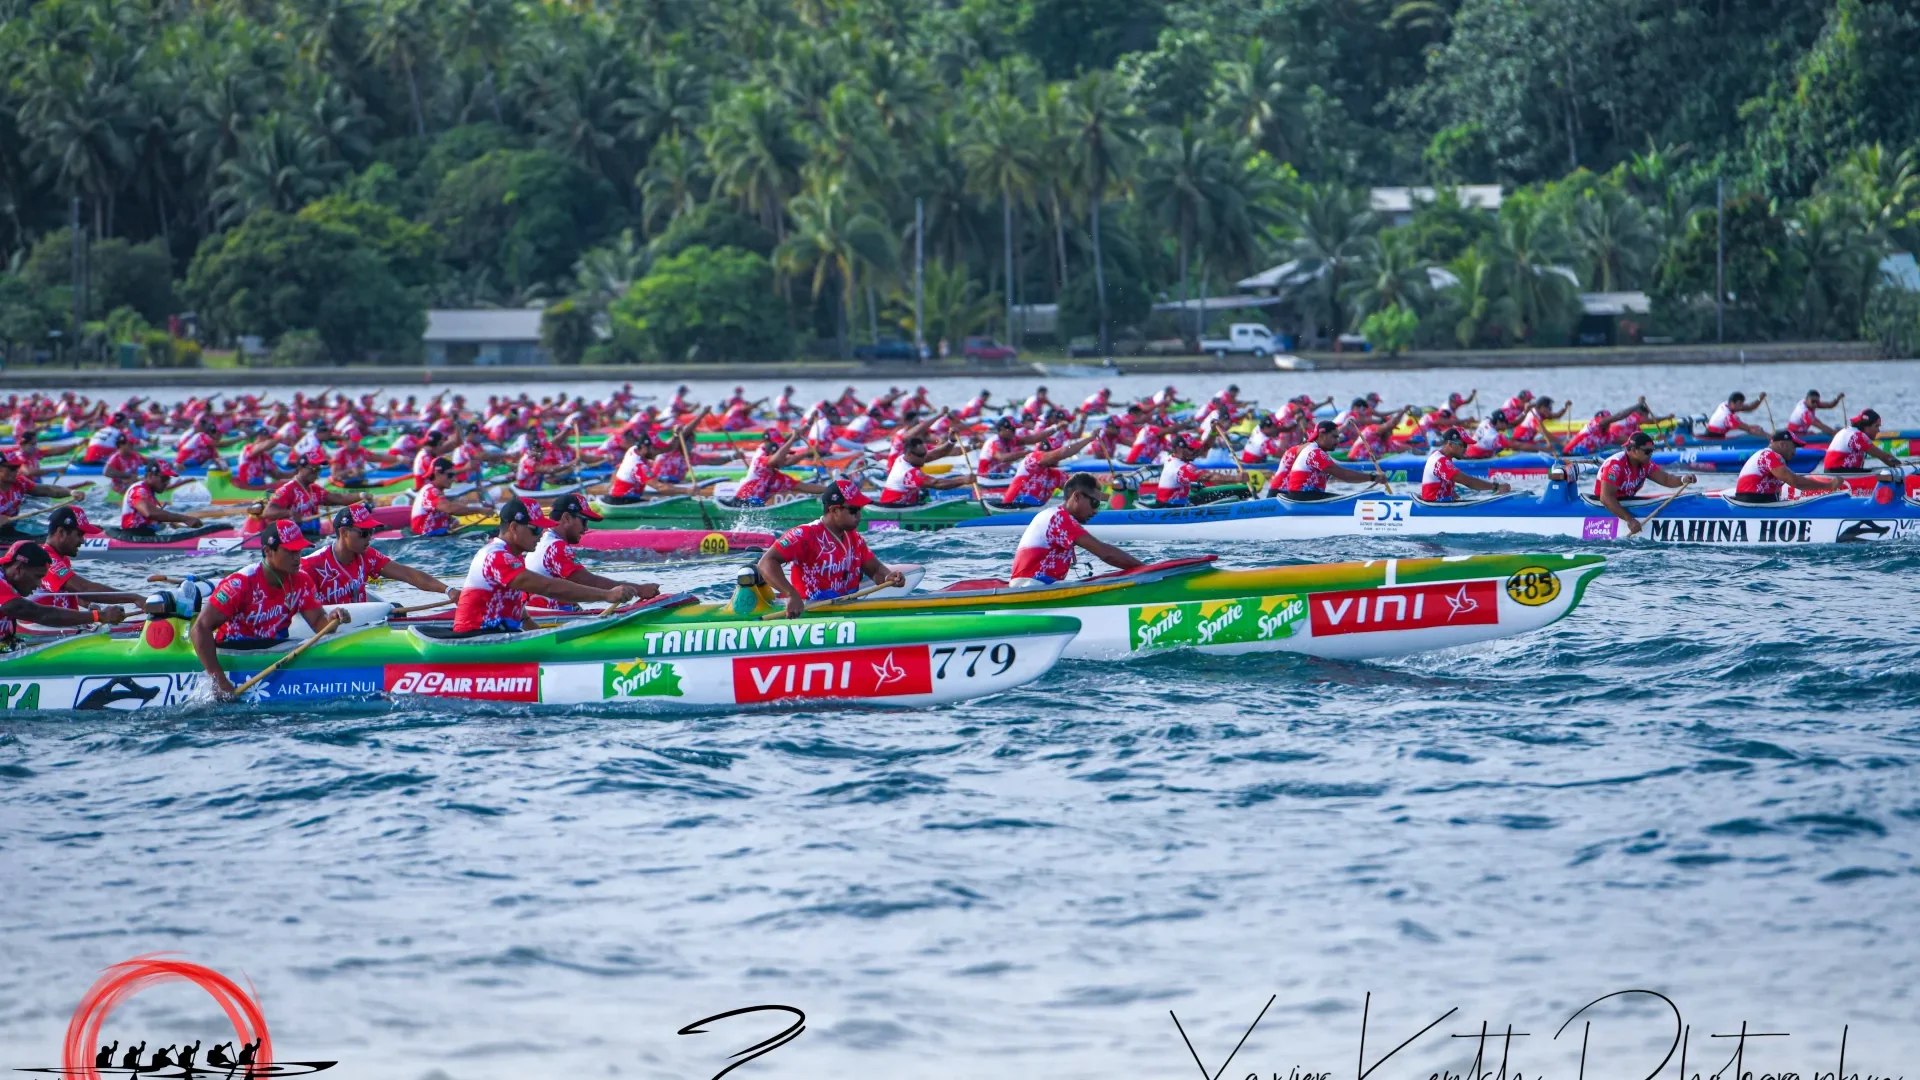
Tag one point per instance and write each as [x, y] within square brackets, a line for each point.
[400, 38]
[282, 166]
[1474, 303]
[1181, 183]
[1388, 272]
[897, 84]
[1884, 190]
[604, 274]
[1053, 120]
[850, 140]
[671, 101]
[476, 33]
[954, 306]
[999, 152]
[1528, 253]
[673, 182]
[1104, 143]
[1614, 238]
[755, 153]
[1839, 256]
[833, 239]
[1329, 224]
[1256, 102]
[82, 123]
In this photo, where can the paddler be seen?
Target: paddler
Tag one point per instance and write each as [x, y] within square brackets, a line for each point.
[828, 556]
[140, 509]
[1846, 453]
[1622, 474]
[1437, 480]
[302, 499]
[433, 509]
[67, 529]
[22, 569]
[1766, 473]
[1313, 464]
[764, 479]
[340, 569]
[1179, 475]
[1045, 554]
[1804, 422]
[15, 487]
[493, 598]
[124, 465]
[1726, 420]
[253, 607]
[554, 554]
[907, 484]
[1039, 474]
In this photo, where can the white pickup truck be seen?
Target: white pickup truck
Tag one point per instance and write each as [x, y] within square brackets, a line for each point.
[1243, 338]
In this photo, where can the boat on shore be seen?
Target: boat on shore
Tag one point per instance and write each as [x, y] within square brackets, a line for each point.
[1561, 510]
[739, 661]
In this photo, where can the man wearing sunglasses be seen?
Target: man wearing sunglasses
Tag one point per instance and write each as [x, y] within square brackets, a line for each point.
[827, 556]
[340, 570]
[554, 554]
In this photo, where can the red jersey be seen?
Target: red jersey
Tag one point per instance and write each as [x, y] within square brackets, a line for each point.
[1309, 471]
[12, 497]
[1176, 481]
[821, 565]
[131, 518]
[426, 515]
[1756, 476]
[1624, 475]
[8, 627]
[487, 600]
[763, 480]
[197, 448]
[553, 557]
[905, 484]
[1847, 451]
[1046, 547]
[338, 583]
[304, 500]
[59, 572]
[1034, 482]
[1437, 479]
[257, 610]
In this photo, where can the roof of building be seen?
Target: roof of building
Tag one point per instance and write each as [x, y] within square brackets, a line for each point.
[1401, 200]
[1217, 303]
[483, 326]
[1901, 271]
[1615, 303]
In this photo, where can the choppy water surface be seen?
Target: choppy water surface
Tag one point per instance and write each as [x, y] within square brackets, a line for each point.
[1703, 782]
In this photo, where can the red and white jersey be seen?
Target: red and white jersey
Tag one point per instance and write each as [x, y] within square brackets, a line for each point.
[1046, 547]
[670, 465]
[256, 610]
[422, 467]
[255, 465]
[763, 481]
[1847, 451]
[1369, 444]
[288, 433]
[1260, 446]
[974, 407]
[335, 582]
[487, 599]
[1309, 471]
[407, 443]
[526, 472]
[140, 493]
[820, 431]
[1588, 438]
[905, 483]
[1488, 439]
[553, 557]
[1035, 481]
[59, 572]
[819, 564]
[630, 476]
[350, 460]
[1430, 426]
[1756, 475]
[304, 500]
[8, 626]
[495, 427]
[1800, 421]
[1096, 404]
[1284, 468]
[860, 427]
[466, 460]
[739, 416]
[1036, 404]
[1624, 475]
[1176, 480]
[1722, 420]
[101, 443]
[1529, 427]
[1437, 478]
[1622, 427]
[998, 444]
[124, 460]
[195, 448]
[425, 516]
[1515, 404]
[1151, 440]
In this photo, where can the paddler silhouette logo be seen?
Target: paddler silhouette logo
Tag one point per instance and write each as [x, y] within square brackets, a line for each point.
[86, 1055]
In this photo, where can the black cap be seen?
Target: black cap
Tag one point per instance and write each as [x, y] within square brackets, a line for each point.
[1736, 396]
[440, 463]
[1781, 435]
[1323, 427]
[26, 551]
[515, 512]
[1639, 440]
[1865, 417]
[572, 504]
[1454, 434]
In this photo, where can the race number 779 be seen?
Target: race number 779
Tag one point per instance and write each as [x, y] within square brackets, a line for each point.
[1002, 654]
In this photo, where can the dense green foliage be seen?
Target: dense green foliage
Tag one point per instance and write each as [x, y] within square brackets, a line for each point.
[334, 167]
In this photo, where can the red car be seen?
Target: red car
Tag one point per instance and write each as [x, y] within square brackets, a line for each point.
[985, 348]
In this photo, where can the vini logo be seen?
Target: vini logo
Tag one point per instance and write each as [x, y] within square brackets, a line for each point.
[1413, 607]
[850, 673]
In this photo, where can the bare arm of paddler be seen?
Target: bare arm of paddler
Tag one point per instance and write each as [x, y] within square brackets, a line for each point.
[642, 590]
[22, 609]
[534, 583]
[149, 507]
[419, 579]
[205, 648]
[773, 563]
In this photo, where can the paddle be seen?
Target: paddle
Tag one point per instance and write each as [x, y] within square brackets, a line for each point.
[325, 629]
[1227, 444]
[397, 612]
[47, 509]
[974, 478]
[1664, 503]
[813, 604]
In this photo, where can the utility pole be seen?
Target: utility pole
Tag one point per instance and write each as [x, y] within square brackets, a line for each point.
[919, 282]
[79, 283]
[1720, 259]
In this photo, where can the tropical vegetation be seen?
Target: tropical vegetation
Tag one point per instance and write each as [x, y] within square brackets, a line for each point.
[675, 179]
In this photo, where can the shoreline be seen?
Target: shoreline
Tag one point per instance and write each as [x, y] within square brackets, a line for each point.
[54, 378]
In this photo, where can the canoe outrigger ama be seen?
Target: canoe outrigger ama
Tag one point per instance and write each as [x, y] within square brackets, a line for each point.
[1882, 512]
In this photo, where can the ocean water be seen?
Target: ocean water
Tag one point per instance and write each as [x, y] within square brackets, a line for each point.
[1702, 784]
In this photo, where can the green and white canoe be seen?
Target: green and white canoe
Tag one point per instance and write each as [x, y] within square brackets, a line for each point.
[742, 660]
[691, 512]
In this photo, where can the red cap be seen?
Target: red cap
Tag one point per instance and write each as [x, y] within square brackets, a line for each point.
[72, 517]
[283, 534]
[355, 516]
[315, 457]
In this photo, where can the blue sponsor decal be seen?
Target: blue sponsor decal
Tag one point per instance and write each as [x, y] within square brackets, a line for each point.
[317, 685]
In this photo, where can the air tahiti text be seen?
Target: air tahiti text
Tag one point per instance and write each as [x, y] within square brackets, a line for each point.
[760, 637]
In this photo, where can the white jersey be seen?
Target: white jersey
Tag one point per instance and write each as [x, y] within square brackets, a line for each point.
[552, 556]
[308, 443]
[1722, 420]
[1486, 436]
[821, 430]
[1260, 446]
[1800, 421]
[860, 426]
[904, 481]
[105, 438]
[631, 464]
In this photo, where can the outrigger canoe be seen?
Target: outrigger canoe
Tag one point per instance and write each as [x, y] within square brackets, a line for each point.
[1351, 611]
[691, 512]
[1562, 510]
[740, 661]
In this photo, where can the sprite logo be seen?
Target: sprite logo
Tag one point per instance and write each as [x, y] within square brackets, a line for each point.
[1247, 620]
[639, 678]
